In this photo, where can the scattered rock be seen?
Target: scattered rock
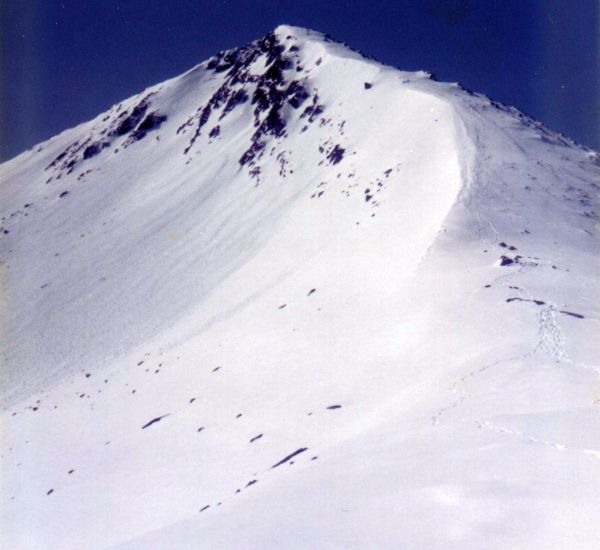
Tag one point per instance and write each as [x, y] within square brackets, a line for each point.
[290, 456]
[336, 154]
[505, 260]
[154, 421]
[576, 315]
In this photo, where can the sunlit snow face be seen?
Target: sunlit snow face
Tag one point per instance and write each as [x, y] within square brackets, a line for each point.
[293, 287]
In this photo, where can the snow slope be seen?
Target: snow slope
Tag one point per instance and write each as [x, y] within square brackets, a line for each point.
[295, 298]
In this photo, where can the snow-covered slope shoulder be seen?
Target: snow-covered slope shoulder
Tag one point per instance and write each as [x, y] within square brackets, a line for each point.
[295, 298]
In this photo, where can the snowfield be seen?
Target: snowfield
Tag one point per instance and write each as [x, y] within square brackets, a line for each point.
[296, 299]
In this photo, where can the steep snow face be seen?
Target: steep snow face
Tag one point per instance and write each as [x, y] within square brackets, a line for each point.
[195, 174]
[294, 298]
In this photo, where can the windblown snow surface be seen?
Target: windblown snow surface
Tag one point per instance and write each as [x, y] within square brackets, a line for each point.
[295, 299]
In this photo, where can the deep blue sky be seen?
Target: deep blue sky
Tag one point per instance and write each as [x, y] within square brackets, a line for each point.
[64, 61]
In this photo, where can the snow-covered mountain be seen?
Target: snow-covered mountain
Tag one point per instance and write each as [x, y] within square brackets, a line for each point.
[294, 298]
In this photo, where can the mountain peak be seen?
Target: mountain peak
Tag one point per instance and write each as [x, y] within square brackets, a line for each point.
[291, 32]
[284, 31]
[290, 284]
